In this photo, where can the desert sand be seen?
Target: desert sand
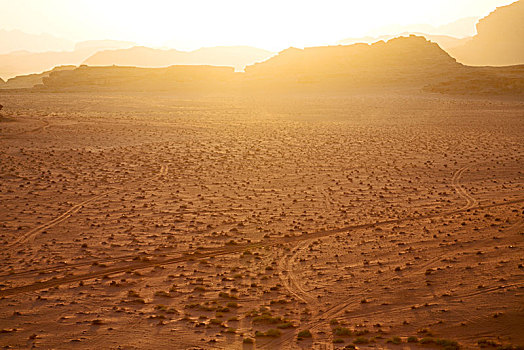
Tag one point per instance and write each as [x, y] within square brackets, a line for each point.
[152, 221]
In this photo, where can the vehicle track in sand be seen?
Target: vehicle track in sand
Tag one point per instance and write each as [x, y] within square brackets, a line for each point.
[45, 124]
[154, 259]
[461, 191]
[324, 317]
[30, 235]
[288, 277]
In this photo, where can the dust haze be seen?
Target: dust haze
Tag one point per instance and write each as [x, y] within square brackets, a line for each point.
[360, 196]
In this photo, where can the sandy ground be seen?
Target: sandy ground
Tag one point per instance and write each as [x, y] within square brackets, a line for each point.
[154, 221]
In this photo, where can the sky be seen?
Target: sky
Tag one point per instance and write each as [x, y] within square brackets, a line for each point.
[269, 24]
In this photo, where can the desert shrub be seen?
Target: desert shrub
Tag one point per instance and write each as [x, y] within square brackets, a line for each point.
[447, 344]
[266, 318]
[304, 334]
[285, 325]
[361, 340]
[215, 321]
[273, 333]
[412, 339]
[342, 331]
[338, 341]
[484, 343]
[361, 332]
[394, 340]
[427, 340]
[248, 341]
[232, 304]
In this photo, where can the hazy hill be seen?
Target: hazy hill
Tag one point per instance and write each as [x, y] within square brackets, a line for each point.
[233, 56]
[401, 63]
[483, 81]
[97, 45]
[181, 78]
[462, 28]
[30, 80]
[412, 60]
[16, 40]
[23, 62]
[500, 39]
[444, 41]
[399, 60]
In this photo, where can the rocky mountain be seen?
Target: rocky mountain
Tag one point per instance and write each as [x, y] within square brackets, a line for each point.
[461, 28]
[408, 60]
[500, 39]
[24, 62]
[31, 80]
[444, 41]
[174, 78]
[232, 56]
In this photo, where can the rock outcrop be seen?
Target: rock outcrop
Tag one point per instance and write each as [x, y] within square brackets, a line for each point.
[500, 39]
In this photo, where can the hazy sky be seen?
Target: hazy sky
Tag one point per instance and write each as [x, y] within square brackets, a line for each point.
[271, 24]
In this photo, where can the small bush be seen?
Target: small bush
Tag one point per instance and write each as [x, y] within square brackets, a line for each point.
[447, 344]
[338, 341]
[484, 343]
[273, 333]
[248, 341]
[285, 325]
[361, 340]
[412, 339]
[215, 321]
[342, 331]
[394, 340]
[427, 341]
[304, 334]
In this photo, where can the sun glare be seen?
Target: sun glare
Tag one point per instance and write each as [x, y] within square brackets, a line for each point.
[271, 24]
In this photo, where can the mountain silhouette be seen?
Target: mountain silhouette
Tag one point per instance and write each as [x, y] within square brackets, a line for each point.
[500, 39]
[461, 28]
[446, 42]
[31, 80]
[17, 40]
[400, 59]
[24, 62]
[233, 56]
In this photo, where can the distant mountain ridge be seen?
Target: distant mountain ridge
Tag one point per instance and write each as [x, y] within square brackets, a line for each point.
[17, 40]
[500, 39]
[411, 63]
[139, 56]
[412, 60]
[122, 53]
[444, 41]
[31, 80]
[400, 58]
[23, 62]
[461, 28]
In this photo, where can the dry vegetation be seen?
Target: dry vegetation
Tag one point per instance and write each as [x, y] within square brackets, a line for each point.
[152, 221]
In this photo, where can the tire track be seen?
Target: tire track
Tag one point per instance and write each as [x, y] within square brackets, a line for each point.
[290, 282]
[45, 125]
[455, 182]
[235, 249]
[30, 236]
